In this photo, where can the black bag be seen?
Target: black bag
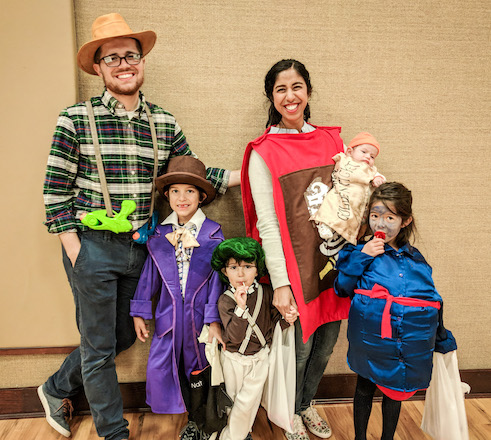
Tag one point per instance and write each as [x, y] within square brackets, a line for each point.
[208, 403]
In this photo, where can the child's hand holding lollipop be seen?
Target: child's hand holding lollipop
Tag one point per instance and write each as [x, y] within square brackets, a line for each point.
[376, 246]
[240, 295]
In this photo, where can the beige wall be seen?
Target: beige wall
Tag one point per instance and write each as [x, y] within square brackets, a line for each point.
[416, 76]
[38, 79]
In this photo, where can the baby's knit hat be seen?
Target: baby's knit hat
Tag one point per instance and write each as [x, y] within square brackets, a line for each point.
[364, 138]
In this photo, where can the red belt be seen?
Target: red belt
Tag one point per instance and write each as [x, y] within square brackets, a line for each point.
[382, 293]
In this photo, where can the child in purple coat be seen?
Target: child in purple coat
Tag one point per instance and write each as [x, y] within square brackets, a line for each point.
[178, 272]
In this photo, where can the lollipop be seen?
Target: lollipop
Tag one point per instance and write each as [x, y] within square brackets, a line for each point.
[380, 234]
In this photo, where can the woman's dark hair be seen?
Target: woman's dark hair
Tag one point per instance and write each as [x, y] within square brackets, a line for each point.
[241, 249]
[401, 200]
[274, 116]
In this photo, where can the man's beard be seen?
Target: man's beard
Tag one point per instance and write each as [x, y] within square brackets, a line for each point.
[115, 87]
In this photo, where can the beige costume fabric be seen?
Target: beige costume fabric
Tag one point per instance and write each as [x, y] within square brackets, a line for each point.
[245, 377]
[344, 205]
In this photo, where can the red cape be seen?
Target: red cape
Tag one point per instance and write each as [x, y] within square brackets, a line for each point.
[294, 161]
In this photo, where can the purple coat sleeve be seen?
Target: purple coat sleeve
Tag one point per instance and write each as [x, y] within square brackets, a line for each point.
[215, 289]
[149, 284]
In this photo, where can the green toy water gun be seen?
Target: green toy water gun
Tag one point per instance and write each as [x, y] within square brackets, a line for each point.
[99, 220]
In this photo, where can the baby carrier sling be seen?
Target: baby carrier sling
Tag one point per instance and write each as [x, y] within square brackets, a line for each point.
[252, 327]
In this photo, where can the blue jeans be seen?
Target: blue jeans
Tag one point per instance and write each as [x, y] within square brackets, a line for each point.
[103, 281]
[311, 360]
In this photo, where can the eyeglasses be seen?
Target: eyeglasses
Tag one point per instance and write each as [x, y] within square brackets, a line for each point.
[245, 267]
[115, 60]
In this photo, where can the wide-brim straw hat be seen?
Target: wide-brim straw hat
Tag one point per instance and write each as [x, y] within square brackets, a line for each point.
[186, 169]
[104, 29]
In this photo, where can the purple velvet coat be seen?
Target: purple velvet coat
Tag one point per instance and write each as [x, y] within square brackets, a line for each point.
[178, 323]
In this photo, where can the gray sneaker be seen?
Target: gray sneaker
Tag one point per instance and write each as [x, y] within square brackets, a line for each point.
[190, 432]
[57, 411]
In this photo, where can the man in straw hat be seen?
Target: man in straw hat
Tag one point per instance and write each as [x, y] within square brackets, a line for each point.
[103, 267]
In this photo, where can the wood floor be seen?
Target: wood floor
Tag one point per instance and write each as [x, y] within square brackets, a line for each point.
[148, 426]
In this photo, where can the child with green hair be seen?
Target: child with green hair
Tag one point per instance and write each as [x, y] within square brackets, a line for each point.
[248, 321]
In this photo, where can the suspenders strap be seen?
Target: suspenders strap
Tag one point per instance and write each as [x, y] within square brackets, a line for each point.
[100, 165]
[251, 320]
[98, 157]
[155, 156]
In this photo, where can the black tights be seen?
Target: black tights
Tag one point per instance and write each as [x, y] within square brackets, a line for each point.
[362, 407]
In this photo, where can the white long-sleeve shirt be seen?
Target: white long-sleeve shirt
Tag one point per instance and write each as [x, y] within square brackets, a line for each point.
[267, 222]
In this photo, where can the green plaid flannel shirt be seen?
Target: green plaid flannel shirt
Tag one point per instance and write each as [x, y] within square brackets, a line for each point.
[72, 184]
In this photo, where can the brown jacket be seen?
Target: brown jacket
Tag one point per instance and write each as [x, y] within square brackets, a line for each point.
[234, 327]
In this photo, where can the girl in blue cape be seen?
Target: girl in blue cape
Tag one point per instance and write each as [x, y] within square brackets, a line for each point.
[395, 320]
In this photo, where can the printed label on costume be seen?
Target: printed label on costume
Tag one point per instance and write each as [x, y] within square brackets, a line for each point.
[303, 192]
[332, 246]
[197, 384]
[343, 208]
[314, 196]
[341, 177]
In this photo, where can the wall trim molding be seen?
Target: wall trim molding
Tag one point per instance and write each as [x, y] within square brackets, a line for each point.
[36, 350]
[334, 388]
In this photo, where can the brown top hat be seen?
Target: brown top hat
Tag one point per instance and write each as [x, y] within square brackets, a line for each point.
[186, 169]
[105, 28]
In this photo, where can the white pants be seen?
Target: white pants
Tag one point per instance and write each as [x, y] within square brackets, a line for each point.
[244, 381]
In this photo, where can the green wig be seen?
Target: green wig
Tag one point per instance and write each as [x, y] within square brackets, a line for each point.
[241, 249]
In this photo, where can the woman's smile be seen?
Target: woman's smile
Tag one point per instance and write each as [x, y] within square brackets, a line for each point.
[290, 97]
